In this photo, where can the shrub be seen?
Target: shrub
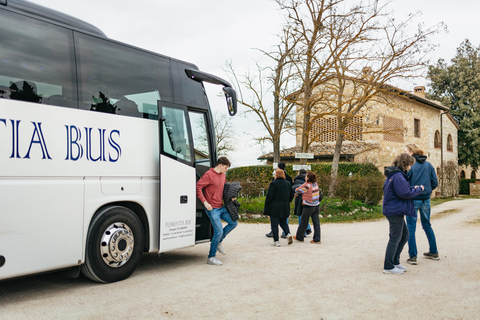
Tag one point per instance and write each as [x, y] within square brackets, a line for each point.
[365, 184]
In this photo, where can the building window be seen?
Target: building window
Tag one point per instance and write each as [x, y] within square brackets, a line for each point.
[416, 128]
[462, 174]
[392, 129]
[449, 143]
[473, 175]
[437, 143]
[325, 129]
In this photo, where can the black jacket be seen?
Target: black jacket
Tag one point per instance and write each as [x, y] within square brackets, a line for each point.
[279, 196]
[297, 182]
[230, 191]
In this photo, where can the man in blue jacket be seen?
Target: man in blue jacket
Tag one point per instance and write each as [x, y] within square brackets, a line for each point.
[421, 173]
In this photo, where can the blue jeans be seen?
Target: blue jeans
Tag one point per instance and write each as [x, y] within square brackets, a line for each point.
[219, 233]
[423, 209]
[398, 238]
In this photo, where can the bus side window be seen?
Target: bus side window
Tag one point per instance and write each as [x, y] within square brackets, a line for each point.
[37, 61]
[131, 81]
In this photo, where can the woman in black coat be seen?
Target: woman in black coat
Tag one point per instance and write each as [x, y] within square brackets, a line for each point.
[277, 205]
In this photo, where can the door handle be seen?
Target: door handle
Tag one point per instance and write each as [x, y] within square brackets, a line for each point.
[183, 199]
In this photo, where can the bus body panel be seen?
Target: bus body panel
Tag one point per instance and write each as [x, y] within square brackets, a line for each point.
[42, 140]
[42, 228]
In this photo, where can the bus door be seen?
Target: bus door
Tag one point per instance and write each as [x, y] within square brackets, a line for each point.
[177, 178]
[203, 162]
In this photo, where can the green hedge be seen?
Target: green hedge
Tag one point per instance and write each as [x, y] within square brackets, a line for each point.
[365, 184]
[465, 185]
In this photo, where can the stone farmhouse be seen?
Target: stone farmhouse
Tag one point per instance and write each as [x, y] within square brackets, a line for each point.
[399, 118]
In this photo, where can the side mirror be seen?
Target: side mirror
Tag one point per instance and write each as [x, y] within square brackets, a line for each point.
[231, 97]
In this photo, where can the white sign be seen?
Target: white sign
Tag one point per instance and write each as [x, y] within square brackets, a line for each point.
[297, 167]
[303, 155]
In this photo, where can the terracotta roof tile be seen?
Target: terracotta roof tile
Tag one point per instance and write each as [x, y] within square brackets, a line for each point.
[350, 148]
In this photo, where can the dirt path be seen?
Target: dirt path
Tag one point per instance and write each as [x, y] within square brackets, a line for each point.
[340, 279]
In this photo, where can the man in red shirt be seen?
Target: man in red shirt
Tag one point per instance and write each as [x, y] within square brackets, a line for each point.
[210, 192]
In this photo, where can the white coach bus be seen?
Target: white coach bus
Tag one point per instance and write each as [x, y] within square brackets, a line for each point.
[101, 145]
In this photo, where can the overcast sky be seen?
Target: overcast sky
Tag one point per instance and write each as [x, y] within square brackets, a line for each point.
[210, 32]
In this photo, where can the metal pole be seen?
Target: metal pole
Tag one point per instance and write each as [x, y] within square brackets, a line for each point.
[441, 150]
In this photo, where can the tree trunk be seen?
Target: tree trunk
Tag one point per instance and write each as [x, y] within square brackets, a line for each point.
[336, 160]
[276, 150]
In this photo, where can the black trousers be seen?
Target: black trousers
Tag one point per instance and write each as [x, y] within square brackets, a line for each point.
[274, 222]
[308, 212]
[398, 238]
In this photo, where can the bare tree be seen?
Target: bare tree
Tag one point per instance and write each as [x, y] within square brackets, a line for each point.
[224, 133]
[276, 116]
[347, 57]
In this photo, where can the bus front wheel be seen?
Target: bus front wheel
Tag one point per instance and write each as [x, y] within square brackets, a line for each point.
[114, 246]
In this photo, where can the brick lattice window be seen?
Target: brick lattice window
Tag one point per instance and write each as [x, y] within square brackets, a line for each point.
[416, 128]
[437, 141]
[323, 129]
[449, 143]
[394, 126]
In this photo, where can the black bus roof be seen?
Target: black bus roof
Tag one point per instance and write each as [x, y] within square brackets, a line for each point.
[47, 13]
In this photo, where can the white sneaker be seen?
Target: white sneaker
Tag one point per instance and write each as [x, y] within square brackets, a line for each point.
[220, 249]
[214, 261]
[289, 238]
[393, 271]
[276, 244]
[399, 266]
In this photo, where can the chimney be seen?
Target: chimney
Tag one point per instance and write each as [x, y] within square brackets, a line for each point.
[419, 91]
[366, 72]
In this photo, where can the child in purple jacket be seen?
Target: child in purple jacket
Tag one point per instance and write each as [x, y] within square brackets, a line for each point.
[398, 202]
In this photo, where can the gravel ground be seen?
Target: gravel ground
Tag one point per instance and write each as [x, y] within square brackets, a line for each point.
[339, 279]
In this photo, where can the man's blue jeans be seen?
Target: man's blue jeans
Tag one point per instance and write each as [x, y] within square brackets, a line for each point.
[219, 233]
[422, 207]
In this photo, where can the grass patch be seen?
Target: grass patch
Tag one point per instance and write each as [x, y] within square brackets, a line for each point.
[336, 210]
[332, 211]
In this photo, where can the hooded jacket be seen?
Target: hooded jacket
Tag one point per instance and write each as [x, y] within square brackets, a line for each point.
[230, 191]
[398, 194]
[297, 182]
[423, 173]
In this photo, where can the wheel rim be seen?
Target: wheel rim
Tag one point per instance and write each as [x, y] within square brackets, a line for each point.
[116, 245]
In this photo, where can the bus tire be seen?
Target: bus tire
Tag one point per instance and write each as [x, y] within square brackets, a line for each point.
[114, 246]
